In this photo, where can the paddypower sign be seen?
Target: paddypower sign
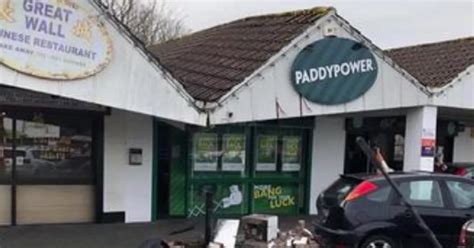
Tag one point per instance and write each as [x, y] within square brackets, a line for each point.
[334, 71]
[53, 39]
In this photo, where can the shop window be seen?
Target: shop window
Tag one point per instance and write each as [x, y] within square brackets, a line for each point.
[219, 151]
[266, 153]
[278, 151]
[205, 152]
[55, 149]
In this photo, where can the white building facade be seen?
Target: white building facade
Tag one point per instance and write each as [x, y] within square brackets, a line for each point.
[265, 110]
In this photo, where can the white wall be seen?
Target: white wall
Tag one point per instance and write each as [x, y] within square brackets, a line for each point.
[464, 146]
[420, 123]
[128, 188]
[460, 93]
[329, 143]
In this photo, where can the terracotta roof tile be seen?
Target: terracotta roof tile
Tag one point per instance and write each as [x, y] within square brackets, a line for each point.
[435, 64]
[209, 63]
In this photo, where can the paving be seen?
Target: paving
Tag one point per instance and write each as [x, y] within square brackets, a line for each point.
[111, 235]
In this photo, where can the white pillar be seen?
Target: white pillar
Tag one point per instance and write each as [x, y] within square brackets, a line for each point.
[420, 133]
[464, 146]
[329, 142]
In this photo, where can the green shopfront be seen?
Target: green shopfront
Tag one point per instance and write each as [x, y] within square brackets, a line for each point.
[264, 166]
[259, 167]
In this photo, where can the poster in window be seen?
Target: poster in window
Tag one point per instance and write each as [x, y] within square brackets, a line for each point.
[291, 153]
[205, 152]
[275, 199]
[266, 153]
[233, 158]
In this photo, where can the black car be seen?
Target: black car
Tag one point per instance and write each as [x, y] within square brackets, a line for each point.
[466, 238]
[363, 211]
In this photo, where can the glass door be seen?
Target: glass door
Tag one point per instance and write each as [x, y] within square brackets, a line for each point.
[6, 165]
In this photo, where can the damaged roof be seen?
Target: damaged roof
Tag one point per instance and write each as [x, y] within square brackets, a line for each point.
[435, 64]
[211, 62]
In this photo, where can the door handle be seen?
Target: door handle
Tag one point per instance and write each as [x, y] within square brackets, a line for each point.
[408, 214]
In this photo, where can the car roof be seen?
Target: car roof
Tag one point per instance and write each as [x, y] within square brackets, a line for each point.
[398, 175]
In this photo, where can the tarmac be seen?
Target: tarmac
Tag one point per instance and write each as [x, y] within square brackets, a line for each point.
[134, 235]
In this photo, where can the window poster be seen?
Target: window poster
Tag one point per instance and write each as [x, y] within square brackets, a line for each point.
[275, 199]
[233, 158]
[291, 157]
[205, 152]
[266, 153]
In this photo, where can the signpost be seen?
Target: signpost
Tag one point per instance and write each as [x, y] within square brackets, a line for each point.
[334, 71]
[56, 39]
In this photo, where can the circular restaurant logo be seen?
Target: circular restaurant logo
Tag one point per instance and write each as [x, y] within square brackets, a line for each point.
[334, 71]
[54, 39]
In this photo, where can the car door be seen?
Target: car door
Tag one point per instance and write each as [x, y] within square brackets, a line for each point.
[426, 197]
[461, 201]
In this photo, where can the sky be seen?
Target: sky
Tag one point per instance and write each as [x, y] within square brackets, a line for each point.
[388, 23]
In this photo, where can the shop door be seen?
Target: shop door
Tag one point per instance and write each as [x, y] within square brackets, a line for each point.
[48, 159]
[387, 134]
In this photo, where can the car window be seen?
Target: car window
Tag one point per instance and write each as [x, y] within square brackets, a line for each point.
[422, 193]
[462, 194]
[380, 195]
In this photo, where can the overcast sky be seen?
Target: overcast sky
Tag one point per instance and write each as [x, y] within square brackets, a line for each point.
[388, 23]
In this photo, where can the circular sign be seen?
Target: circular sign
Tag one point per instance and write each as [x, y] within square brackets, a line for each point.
[54, 39]
[333, 71]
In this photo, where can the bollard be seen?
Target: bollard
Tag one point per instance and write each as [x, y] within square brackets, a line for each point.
[209, 195]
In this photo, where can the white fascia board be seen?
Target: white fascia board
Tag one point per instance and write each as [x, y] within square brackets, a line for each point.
[133, 81]
[459, 93]
[266, 94]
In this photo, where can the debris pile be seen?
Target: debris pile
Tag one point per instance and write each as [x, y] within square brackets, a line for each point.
[259, 231]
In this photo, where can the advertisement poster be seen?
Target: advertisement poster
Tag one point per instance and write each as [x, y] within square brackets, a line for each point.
[291, 157]
[428, 142]
[228, 199]
[270, 198]
[428, 147]
[266, 153]
[205, 152]
[233, 158]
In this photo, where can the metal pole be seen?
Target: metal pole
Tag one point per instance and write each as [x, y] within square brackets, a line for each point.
[209, 210]
[13, 174]
[365, 147]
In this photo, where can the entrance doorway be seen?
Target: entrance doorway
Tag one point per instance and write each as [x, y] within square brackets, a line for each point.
[171, 145]
[385, 133]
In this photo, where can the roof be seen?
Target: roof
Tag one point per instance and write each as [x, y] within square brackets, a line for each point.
[435, 64]
[211, 62]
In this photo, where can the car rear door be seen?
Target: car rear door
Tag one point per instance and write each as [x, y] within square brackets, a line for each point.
[426, 197]
[461, 201]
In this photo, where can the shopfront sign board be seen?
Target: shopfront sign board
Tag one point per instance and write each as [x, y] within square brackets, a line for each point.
[53, 39]
[334, 71]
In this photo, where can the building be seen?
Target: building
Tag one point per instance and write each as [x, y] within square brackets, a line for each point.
[266, 109]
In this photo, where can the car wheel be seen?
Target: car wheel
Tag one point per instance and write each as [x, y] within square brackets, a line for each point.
[379, 241]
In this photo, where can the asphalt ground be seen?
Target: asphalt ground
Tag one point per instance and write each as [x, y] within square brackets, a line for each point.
[133, 235]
